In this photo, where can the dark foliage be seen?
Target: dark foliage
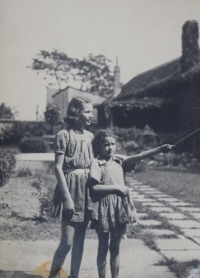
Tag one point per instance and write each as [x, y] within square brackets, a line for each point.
[52, 115]
[132, 140]
[7, 164]
[6, 112]
[33, 145]
[19, 130]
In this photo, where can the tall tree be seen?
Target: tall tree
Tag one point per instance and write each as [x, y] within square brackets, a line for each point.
[190, 46]
[55, 65]
[92, 73]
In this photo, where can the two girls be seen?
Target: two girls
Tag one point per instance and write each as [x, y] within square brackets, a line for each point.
[114, 209]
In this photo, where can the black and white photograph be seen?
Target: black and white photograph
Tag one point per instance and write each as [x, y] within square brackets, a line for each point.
[99, 139]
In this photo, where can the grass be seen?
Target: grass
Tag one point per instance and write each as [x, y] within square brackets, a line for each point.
[182, 185]
[181, 269]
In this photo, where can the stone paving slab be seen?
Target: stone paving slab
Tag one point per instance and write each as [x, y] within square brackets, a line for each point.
[139, 196]
[149, 222]
[156, 192]
[150, 189]
[161, 209]
[30, 257]
[185, 223]
[183, 256]
[152, 204]
[176, 244]
[130, 180]
[174, 215]
[196, 215]
[162, 196]
[145, 200]
[137, 184]
[142, 215]
[160, 232]
[132, 191]
[197, 239]
[190, 209]
[171, 200]
[192, 232]
[180, 204]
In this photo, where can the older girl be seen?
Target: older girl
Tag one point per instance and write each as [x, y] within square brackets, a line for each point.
[73, 156]
[115, 208]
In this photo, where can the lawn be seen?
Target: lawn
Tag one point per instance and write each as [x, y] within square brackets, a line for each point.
[180, 184]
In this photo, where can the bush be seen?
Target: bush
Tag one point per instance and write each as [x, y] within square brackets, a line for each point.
[133, 139]
[33, 145]
[24, 172]
[7, 164]
[19, 130]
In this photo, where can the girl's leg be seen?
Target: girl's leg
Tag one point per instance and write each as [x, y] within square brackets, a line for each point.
[102, 252]
[77, 249]
[114, 254]
[67, 236]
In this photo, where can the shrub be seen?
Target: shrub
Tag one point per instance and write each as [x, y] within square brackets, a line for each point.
[20, 130]
[24, 172]
[134, 139]
[7, 164]
[33, 145]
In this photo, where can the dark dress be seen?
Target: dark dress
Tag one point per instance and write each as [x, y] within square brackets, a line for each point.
[112, 211]
[78, 152]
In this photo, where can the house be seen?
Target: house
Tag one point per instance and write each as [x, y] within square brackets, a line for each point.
[155, 97]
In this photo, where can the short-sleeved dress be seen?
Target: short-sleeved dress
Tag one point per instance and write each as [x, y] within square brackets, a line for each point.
[112, 211]
[77, 148]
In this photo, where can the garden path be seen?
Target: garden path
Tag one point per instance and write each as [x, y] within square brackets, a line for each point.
[172, 225]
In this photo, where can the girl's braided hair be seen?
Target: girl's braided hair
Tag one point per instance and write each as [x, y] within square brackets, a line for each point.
[99, 139]
[74, 108]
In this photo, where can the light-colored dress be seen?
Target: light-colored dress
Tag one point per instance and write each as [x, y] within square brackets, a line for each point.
[78, 152]
[112, 210]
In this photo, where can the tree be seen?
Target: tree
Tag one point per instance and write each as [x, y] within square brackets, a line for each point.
[190, 46]
[6, 112]
[92, 73]
[52, 115]
[55, 65]
[95, 71]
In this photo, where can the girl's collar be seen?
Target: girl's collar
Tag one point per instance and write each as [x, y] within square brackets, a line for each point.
[102, 161]
[79, 131]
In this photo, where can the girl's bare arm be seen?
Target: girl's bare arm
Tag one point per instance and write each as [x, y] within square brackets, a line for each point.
[68, 202]
[109, 189]
[146, 154]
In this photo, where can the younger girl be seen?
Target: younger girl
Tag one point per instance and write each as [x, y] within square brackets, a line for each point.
[73, 156]
[115, 208]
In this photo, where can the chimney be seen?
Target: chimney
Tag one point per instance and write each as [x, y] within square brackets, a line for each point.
[190, 45]
[117, 84]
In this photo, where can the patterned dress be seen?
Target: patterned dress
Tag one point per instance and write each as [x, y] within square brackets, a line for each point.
[112, 211]
[77, 149]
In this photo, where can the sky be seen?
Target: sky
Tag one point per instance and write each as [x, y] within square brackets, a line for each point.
[142, 33]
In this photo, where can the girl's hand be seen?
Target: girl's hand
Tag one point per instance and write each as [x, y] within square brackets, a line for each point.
[123, 190]
[68, 204]
[166, 148]
[68, 209]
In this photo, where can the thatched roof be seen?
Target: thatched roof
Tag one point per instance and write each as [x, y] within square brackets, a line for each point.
[157, 83]
[146, 102]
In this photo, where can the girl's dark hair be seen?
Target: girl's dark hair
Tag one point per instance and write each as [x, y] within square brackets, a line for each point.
[99, 139]
[74, 108]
